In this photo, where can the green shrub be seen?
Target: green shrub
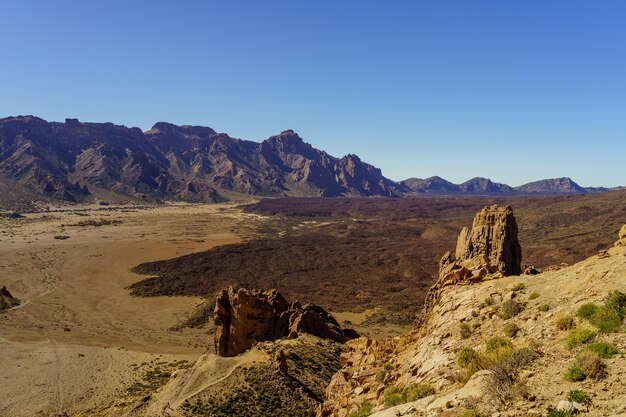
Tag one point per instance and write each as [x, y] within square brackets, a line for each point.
[558, 413]
[617, 303]
[587, 310]
[544, 307]
[518, 287]
[465, 330]
[606, 319]
[591, 364]
[575, 374]
[365, 410]
[510, 308]
[603, 349]
[511, 329]
[533, 295]
[564, 322]
[418, 391]
[393, 396]
[388, 367]
[579, 396]
[472, 413]
[497, 342]
[577, 337]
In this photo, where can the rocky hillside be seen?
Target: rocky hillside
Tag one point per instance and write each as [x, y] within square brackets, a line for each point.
[73, 161]
[549, 344]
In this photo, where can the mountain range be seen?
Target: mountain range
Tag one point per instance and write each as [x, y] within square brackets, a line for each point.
[76, 161]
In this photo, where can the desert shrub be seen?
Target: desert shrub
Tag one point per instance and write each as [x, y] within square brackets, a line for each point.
[564, 322]
[393, 396]
[388, 367]
[577, 337]
[579, 396]
[603, 349]
[606, 319]
[470, 362]
[489, 301]
[558, 413]
[587, 310]
[575, 373]
[544, 307]
[504, 363]
[510, 308]
[476, 325]
[365, 410]
[465, 330]
[497, 342]
[415, 392]
[518, 287]
[591, 365]
[617, 302]
[472, 413]
[533, 295]
[511, 329]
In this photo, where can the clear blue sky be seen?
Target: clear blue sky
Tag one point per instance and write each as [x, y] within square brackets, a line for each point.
[511, 90]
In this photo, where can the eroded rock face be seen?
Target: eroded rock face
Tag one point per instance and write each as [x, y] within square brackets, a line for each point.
[244, 317]
[494, 235]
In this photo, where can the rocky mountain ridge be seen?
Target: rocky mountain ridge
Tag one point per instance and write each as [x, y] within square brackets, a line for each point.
[73, 160]
[78, 161]
[484, 186]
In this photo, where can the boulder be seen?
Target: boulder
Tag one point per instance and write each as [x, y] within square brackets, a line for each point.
[7, 300]
[244, 317]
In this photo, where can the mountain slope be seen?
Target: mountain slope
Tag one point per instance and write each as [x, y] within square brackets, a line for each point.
[74, 160]
[563, 185]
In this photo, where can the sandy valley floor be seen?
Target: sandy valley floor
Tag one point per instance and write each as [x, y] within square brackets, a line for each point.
[78, 339]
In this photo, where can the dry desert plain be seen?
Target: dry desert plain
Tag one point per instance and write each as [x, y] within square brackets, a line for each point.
[79, 341]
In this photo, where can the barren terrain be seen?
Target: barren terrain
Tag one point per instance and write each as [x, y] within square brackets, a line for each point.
[79, 340]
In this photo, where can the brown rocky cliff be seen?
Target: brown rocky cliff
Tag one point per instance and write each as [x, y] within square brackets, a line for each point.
[244, 317]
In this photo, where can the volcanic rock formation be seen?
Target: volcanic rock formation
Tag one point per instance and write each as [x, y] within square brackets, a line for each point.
[244, 317]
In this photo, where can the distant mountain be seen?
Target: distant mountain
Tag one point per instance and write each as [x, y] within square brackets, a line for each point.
[432, 185]
[484, 186]
[552, 186]
[73, 161]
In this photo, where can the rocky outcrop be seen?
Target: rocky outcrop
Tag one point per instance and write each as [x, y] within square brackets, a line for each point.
[493, 235]
[622, 237]
[244, 317]
[7, 300]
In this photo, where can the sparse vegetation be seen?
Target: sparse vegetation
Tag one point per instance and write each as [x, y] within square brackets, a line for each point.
[510, 308]
[495, 343]
[365, 410]
[544, 307]
[580, 336]
[558, 413]
[511, 329]
[396, 395]
[393, 396]
[415, 392]
[518, 287]
[585, 311]
[574, 373]
[565, 322]
[465, 330]
[591, 364]
[533, 295]
[472, 413]
[579, 396]
[603, 349]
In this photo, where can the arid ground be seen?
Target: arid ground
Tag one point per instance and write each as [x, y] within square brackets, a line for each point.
[79, 340]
